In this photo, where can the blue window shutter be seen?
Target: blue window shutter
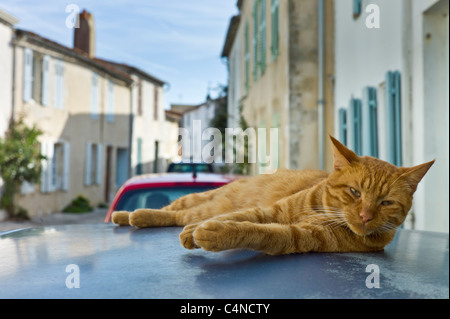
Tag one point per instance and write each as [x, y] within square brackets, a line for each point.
[343, 126]
[247, 59]
[262, 34]
[394, 117]
[275, 27]
[255, 41]
[357, 8]
[356, 123]
[370, 122]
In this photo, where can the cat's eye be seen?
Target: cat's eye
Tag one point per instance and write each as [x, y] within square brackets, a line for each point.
[387, 203]
[355, 192]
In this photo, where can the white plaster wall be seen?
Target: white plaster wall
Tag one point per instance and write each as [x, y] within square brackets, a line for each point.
[6, 63]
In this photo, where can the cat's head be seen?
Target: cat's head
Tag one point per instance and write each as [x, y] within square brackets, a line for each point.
[372, 195]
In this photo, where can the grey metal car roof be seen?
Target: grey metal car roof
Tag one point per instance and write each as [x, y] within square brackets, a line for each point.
[124, 262]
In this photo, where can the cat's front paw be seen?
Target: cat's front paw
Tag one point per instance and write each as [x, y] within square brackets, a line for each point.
[186, 236]
[120, 218]
[213, 235]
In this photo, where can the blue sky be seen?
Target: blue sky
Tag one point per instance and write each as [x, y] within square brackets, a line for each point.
[178, 41]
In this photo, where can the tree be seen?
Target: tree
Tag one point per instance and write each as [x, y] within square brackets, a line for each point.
[20, 159]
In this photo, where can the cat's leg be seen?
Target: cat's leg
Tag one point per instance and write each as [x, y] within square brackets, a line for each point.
[254, 215]
[273, 239]
[164, 217]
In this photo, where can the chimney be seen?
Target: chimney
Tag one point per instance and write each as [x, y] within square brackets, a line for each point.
[84, 37]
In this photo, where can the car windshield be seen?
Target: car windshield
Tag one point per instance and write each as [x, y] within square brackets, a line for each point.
[155, 197]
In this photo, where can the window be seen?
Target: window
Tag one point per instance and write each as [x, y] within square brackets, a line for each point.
[56, 167]
[58, 87]
[275, 27]
[110, 102]
[35, 77]
[355, 122]
[394, 116]
[343, 126]
[92, 169]
[370, 122]
[94, 97]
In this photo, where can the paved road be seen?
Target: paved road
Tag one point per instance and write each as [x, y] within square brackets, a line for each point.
[97, 216]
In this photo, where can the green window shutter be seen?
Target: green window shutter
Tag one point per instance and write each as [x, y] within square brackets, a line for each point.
[357, 8]
[343, 126]
[262, 34]
[370, 122]
[356, 123]
[394, 117]
[255, 41]
[247, 59]
[275, 27]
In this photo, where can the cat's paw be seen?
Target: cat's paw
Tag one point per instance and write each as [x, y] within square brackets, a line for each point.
[213, 235]
[144, 217]
[186, 236]
[120, 218]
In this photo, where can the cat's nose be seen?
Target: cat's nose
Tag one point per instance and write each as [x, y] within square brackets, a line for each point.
[366, 216]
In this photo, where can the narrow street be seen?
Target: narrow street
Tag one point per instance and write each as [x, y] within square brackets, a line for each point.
[97, 216]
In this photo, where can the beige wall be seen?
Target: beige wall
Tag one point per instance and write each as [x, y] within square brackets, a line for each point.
[74, 125]
[287, 92]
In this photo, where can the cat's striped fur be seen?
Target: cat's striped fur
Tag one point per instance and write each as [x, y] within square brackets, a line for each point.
[357, 207]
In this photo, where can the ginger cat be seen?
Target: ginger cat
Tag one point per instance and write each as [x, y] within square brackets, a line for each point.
[356, 208]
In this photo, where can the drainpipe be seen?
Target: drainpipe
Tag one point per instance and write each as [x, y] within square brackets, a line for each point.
[320, 101]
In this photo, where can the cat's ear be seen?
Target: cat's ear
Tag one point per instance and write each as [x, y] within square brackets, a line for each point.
[342, 155]
[413, 175]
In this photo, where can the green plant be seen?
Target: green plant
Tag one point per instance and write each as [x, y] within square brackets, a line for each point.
[79, 205]
[20, 159]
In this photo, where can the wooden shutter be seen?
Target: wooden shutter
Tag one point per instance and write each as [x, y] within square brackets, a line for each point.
[27, 74]
[247, 58]
[110, 102]
[98, 170]
[44, 162]
[262, 35]
[370, 122]
[394, 117]
[356, 123]
[94, 96]
[343, 126]
[255, 41]
[66, 167]
[88, 165]
[275, 28]
[45, 80]
[58, 90]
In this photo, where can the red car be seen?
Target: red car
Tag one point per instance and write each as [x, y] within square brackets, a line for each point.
[158, 190]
